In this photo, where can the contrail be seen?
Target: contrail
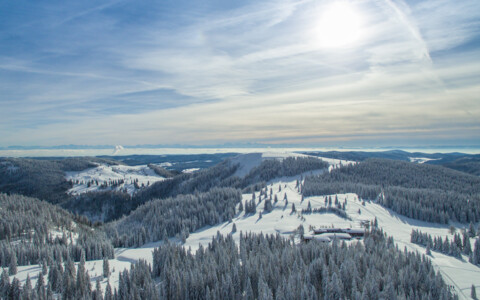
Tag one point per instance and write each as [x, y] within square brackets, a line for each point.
[402, 16]
[86, 12]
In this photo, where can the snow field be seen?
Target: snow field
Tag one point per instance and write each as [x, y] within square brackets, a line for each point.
[280, 220]
[104, 173]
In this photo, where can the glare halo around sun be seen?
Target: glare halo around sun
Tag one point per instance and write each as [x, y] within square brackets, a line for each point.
[339, 25]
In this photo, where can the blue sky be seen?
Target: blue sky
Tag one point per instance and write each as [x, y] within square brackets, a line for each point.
[346, 73]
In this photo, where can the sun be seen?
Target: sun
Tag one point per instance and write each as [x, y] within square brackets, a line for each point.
[339, 25]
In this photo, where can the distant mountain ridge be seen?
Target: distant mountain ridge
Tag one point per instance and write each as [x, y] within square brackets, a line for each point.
[468, 163]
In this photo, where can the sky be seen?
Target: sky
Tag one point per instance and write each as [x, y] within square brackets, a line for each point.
[309, 72]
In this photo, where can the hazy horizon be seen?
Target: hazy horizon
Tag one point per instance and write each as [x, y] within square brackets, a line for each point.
[115, 151]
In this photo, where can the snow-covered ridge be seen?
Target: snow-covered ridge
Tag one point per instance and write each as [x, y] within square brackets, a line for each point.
[420, 160]
[191, 170]
[247, 162]
[117, 177]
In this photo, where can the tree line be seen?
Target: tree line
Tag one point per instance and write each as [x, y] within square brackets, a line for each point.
[178, 216]
[455, 247]
[62, 280]
[423, 192]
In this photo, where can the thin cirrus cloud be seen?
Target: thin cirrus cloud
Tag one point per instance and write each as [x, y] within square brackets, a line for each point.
[124, 72]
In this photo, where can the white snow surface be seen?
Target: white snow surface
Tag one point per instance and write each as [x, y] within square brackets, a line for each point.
[458, 273]
[191, 170]
[420, 160]
[107, 173]
[249, 161]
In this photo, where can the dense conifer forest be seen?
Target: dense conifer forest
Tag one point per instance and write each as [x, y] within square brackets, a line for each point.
[468, 163]
[455, 247]
[178, 216]
[423, 192]
[271, 267]
[34, 231]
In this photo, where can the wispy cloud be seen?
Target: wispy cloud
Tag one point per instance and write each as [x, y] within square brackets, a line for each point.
[147, 73]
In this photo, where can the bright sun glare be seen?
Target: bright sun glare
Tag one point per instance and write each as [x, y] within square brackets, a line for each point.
[339, 26]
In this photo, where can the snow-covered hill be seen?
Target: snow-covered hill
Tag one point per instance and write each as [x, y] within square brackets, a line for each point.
[92, 179]
[246, 162]
[459, 273]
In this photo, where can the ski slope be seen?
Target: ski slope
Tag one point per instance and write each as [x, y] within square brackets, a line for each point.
[107, 173]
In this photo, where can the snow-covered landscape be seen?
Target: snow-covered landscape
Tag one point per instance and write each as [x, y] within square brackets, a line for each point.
[112, 177]
[287, 214]
[244, 150]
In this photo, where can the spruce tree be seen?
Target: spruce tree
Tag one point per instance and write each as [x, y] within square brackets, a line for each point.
[68, 280]
[12, 266]
[301, 230]
[248, 293]
[15, 291]
[427, 250]
[473, 293]
[467, 248]
[4, 285]
[44, 267]
[106, 268]
[40, 286]
[268, 206]
[81, 276]
[476, 252]
[108, 292]
[27, 288]
[471, 230]
[97, 294]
